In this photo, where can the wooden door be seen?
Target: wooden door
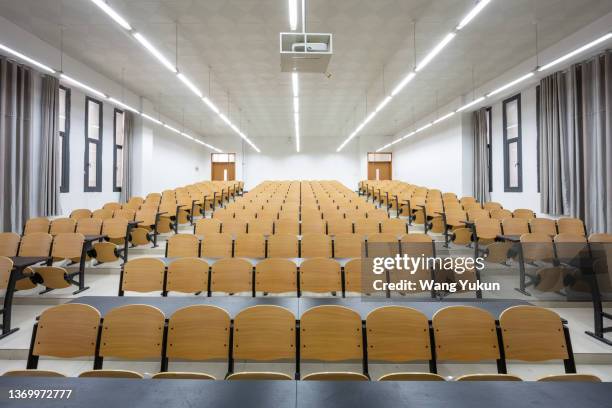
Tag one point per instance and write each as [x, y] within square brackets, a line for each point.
[380, 166]
[223, 171]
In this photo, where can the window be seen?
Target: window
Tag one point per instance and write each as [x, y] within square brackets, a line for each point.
[379, 157]
[64, 139]
[513, 172]
[118, 150]
[93, 145]
[223, 157]
[490, 147]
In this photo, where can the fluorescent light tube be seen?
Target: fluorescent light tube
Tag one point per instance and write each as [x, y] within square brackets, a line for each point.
[122, 105]
[576, 51]
[448, 115]
[510, 84]
[296, 104]
[151, 118]
[82, 85]
[474, 102]
[403, 83]
[26, 58]
[211, 105]
[408, 135]
[112, 14]
[189, 137]
[384, 103]
[435, 51]
[473, 13]
[295, 84]
[155, 52]
[293, 14]
[167, 126]
[423, 127]
[190, 85]
[225, 119]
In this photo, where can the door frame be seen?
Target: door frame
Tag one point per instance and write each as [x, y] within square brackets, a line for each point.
[390, 163]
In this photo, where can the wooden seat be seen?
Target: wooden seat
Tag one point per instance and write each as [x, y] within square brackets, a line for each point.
[232, 275]
[313, 227]
[412, 377]
[115, 230]
[183, 245]
[330, 334]
[417, 245]
[335, 376]
[475, 214]
[486, 232]
[320, 275]
[264, 333]
[207, 226]
[112, 206]
[315, 246]
[6, 266]
[380, 215]
[132, 332]
[396, 226]
[260, 226]
[283, 246]
[217, 245]
[179, 375]
[488, 377]
[32, 373]
[187, 275]
[543, 225]
[198, 333]
[66, 246]
[80, 214]
[367, 226]
[9, 243]
[126, 213]
[460, 234]
[35, 244]
[492, 205]
[532, 333]
[102, 214]
[537, 247]
[349, 246]
[465, 333]
[287, 226]
[523, 213]
[252, 245]
[570, 378]
[310, 215]
[339, 226]
[515, 226]
[571, 226]
[34, 225]
[247, 376]
[502, 215]
[125, 374]
[89, 226]
[143, 275]
[234, 227]
[353, 276]
[62, 225]
[141, 235]
[276, 276]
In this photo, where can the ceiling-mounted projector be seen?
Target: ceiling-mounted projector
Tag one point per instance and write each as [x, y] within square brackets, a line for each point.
[305, 52]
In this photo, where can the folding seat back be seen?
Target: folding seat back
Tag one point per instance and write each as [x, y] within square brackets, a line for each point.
[132, 332]
[102, 214]
[398, 334]
[207, 226]
[264, 333]
[349, 246]
[67, 245]
[377, 215]
[126, 213]
[310, 215]
[183, 245]
[187, 275]
[475, 214]
[34, 225]
[523, 213]
[283, 246]
[9, 243]
[417, 245]
[62, 225]
[198, 333]
[80, 213]
[89, 226]
[67, 331]
[543, 225]
[315, 246]
[465, 333]
[396, 226]
[250, 245]
[537, 247]
[320, 275]
[6, 266]
[339, 226]
[233, 275]
[35, 244]
[217, 245]
[330, 333]
[515, 226]
[487, 229]
[234, 227]
[532, 333]
[143, 275]
[276, 275]
[492, 205]
[313, 227]
[287, 226]
[501, 214]
[353, 276]
[112, 206]
[260, 226]
[571, 225]
[366, 226]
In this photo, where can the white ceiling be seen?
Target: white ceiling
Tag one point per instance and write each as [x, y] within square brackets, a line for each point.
[238, 40]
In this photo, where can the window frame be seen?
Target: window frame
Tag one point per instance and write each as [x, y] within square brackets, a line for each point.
[116, 147]
[98, 187]
[489, 111]
[519, 146]
[65, 138]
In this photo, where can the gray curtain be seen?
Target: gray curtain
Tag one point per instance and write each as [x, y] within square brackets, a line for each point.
[50, 178]
[15, 144]
[481, 156]
[128, 142]
[576, 143]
